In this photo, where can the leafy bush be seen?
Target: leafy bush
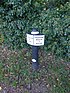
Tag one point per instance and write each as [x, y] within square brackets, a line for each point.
[50, 17]
[57, 29]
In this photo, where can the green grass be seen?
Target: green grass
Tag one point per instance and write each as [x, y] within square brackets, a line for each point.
[16, 70]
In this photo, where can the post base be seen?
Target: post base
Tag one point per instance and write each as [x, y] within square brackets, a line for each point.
[35, 66]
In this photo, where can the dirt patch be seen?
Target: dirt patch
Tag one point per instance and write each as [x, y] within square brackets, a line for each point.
[49, 76]
[36, 86]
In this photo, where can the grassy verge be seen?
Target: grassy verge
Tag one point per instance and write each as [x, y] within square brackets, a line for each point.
[15, 70]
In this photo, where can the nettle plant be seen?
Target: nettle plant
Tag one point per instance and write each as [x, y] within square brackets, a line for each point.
[52, 19]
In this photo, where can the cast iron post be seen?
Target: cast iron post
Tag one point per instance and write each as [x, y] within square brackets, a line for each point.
[35, 63]
[35, 39]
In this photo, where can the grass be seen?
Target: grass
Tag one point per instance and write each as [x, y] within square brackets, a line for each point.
[15, 70]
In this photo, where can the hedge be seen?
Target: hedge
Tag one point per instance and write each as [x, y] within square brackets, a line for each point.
[50, 17]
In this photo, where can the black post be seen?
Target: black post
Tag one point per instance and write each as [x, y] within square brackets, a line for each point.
[35, 64]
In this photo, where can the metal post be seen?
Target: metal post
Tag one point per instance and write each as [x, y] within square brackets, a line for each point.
[35, 39]
[35, 64]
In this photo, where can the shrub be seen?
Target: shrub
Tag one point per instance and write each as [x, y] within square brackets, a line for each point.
[19, 17]
[57, 29]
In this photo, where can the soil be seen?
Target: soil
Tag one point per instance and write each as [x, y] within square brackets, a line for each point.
[37, 86]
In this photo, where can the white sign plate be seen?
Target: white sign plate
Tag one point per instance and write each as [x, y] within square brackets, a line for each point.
[30, 39]
[36, 40]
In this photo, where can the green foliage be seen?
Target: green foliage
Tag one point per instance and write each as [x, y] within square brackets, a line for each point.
[57, 31]
[50, 17]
